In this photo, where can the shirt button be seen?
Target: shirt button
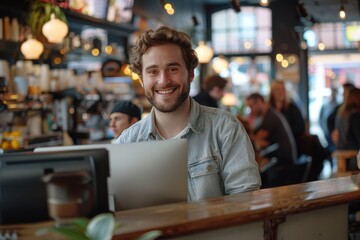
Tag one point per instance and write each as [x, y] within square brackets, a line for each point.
[209, 168]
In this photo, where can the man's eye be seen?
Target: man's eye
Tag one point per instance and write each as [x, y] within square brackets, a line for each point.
[152, 72]
[173, 69]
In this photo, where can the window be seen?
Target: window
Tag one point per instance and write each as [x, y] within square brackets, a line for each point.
[333, 35]
[246, 32]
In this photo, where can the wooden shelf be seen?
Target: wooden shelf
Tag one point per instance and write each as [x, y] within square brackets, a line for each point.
[77, 21]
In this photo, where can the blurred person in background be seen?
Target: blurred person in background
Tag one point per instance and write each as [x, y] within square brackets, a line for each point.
[283, 104]
[214, 90]
[348, 124]
[123, 114]
[306, 143]
[270, 130]
[325, 111]
[331, 121]
[111, 68]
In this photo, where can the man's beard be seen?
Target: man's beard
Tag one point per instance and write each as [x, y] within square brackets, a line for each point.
[169, 106]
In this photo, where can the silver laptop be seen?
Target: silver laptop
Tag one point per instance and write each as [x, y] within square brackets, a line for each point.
[143, 174]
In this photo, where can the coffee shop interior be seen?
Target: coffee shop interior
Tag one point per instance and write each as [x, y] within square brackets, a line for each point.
[55, 90]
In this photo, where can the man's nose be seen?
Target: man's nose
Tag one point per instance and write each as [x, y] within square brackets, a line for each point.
[163, 77]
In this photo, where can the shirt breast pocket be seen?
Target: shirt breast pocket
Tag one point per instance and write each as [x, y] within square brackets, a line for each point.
[206, 179]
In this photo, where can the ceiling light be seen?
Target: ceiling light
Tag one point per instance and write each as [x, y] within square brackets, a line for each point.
[279, 57]
[204, 52]
[321, 46]
[220, 64]
[55, 30]
[229, 99]
[264, 3]
[342, 13]
[32, 48]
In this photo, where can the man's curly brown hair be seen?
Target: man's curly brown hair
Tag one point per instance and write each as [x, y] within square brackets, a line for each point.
[163, 35]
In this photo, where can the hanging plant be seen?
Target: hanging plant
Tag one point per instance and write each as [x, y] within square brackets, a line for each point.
[40, 13]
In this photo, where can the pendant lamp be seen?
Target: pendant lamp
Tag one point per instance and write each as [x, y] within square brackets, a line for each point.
[32, 48]
[204, 52]
[55, 30]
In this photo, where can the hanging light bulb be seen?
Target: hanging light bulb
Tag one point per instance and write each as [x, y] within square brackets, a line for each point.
[220, 64]
[321, 46]
[264, 3]
[32, 48]
[342, 13]
[55, 30]
[204, 52]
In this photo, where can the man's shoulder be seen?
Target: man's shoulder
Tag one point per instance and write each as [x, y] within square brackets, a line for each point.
[135, 131]
[218, 114]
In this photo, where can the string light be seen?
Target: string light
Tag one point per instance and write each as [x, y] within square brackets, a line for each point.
[321, 46]
[342, 13]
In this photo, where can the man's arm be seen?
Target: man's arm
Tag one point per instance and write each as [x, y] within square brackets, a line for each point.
[240, 171]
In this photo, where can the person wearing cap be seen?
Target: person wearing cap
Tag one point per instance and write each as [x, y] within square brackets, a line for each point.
[123, 115]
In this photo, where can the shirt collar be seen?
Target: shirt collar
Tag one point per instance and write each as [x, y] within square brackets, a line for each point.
[196, 122]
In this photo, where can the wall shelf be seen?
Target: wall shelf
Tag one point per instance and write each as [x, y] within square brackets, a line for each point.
[77, 21]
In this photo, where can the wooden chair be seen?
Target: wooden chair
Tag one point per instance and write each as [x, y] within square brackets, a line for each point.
[342, 156]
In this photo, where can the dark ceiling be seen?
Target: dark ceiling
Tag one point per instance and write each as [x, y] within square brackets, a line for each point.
[320, 10]
[328, 10]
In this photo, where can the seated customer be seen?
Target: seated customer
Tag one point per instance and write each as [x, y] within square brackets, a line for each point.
[348, 125]
[220, 155]
[123, 114]
[306, 144]
[284, 105]
[268, 128]
[214, 89]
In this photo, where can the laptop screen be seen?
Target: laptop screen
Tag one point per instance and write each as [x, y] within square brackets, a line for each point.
[143, 174]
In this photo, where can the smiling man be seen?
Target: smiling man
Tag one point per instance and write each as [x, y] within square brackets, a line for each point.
[220, 158]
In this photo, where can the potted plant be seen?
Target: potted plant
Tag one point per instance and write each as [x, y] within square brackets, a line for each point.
[101, 227]
[39, 13]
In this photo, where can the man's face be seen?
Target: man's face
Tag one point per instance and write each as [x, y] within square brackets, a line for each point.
[255, 107]
[111, 69]
[119, 122]
[165, 78]
[217, 93]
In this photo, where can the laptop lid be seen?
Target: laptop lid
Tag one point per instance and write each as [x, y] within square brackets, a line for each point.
[143, 174]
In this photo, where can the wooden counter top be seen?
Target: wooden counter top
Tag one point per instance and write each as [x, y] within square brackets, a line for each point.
[263, 206]
[184, 218]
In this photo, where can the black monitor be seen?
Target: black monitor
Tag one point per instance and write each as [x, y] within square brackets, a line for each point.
[23, 192]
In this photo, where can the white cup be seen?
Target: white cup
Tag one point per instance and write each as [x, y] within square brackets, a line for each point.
[21, 85]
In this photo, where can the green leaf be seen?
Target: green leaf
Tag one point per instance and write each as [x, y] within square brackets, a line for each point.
[40, 13]
[57, 11]
[101, 227]
[47, 10]
[150, 235]
[81, 223]
[67, 231]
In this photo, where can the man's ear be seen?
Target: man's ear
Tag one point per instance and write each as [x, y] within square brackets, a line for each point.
[134, 120]
[191, 75]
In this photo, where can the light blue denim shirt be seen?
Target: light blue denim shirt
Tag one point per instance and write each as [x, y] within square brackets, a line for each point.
[221, 158]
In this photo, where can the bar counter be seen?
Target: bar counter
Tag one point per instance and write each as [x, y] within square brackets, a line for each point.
[265, 214]
[314, 210]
